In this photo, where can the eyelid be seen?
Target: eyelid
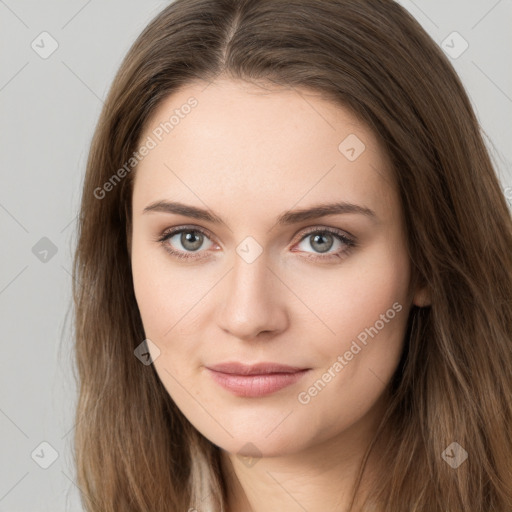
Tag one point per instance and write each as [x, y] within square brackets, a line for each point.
[336, 231]
[170, 232]
[205, 232]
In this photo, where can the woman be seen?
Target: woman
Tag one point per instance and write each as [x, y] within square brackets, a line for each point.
[294, 268]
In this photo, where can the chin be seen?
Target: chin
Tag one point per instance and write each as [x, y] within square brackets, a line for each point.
[255, 443]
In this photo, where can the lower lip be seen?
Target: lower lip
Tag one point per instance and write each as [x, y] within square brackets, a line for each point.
[256, 385]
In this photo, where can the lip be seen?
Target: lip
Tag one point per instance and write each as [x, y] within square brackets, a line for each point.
[257, 379]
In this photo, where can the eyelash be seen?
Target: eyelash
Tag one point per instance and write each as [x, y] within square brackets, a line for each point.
[350, 243]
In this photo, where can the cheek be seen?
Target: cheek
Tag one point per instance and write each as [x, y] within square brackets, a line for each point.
[359, 365]
[164, 292]
[166, 302]
[360, 295]
[171, 301]
[149, 287]
[372, 322]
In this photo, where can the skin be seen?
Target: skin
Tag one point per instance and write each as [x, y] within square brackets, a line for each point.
[249, 154]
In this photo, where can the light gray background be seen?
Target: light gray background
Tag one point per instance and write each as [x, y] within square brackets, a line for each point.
[49, 108]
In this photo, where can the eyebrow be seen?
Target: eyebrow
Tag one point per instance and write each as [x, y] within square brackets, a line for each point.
[286, 218]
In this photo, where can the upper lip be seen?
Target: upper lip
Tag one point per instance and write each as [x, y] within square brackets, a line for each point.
[237, 368]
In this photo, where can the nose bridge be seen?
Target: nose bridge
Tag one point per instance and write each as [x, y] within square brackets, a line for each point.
[248, 280]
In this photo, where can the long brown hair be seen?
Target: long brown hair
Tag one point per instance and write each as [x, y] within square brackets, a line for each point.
[135, 451]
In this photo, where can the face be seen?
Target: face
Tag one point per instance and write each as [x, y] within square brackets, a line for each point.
[232, 264]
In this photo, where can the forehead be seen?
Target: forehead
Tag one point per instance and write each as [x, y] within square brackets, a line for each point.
[234, 143]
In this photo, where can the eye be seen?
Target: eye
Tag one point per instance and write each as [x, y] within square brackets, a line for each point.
[191, 242]
[187, 240]
[322, 240]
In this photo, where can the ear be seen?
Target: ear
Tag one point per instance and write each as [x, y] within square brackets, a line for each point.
[421, 297]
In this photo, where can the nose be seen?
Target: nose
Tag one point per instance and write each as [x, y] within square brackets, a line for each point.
[252, 301]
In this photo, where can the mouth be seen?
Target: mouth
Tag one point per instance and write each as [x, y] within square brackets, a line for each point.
[255, 380]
